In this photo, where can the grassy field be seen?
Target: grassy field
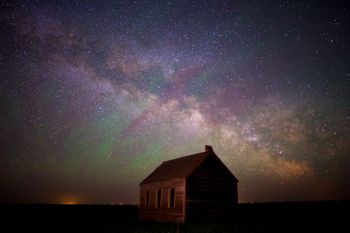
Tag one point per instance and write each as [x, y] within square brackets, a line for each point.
[263, 217]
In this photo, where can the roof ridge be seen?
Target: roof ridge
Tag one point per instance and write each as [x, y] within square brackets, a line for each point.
[185, 157]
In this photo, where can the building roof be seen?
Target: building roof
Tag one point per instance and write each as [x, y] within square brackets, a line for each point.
[178, 168]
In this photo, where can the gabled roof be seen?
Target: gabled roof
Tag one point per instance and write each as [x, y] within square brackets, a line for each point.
[178, 168]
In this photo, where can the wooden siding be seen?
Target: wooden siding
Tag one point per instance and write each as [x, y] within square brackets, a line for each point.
[164, 213]
[211, 192]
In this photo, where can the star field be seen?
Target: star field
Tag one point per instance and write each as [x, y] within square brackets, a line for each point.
[95, 95]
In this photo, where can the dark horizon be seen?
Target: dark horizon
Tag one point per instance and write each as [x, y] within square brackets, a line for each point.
[95, 95]
[277, 217]
[137, 204]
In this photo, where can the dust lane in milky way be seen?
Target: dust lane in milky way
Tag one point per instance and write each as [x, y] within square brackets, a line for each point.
[95, 95]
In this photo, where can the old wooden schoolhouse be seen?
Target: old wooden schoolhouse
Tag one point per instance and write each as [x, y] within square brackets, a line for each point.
[194, 187]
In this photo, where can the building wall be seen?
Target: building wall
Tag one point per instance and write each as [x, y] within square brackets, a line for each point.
[211, 192]
[165, 213]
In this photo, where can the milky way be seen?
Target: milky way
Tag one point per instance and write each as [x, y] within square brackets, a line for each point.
[95, 95]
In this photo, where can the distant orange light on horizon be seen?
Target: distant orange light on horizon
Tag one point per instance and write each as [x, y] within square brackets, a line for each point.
[69, 201]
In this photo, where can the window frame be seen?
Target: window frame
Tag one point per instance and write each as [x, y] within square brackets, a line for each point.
[171, 198]
[147, 199]
[159, 199]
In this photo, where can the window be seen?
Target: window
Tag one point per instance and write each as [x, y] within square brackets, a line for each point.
[159, 198]
[172, 198]
[147, 199]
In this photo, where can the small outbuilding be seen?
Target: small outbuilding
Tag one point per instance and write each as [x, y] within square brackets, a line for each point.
[194, 187]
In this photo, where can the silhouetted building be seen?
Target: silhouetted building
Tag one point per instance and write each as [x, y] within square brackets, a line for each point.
[194, 187]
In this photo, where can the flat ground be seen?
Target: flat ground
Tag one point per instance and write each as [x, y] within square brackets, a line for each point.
[329, 216]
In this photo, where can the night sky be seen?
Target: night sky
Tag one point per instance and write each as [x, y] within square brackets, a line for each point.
[95, 95]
